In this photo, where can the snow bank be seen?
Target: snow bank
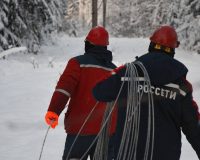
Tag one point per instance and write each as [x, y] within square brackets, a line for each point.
[12, 51]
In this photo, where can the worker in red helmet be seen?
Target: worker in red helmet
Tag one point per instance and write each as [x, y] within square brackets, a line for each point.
[84, 115]
[165, 39]
[162, 79]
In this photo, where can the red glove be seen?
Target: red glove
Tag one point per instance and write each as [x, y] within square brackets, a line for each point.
[51, 119]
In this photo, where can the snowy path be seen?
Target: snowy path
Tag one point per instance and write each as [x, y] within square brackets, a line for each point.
[26, 92]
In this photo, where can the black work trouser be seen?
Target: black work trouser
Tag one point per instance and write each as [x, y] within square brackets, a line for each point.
[81, 146]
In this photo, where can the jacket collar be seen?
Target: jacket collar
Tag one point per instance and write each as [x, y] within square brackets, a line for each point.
[100, 53]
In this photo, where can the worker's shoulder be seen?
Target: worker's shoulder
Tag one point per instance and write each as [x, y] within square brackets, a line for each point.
[94, 61]
[85, 59]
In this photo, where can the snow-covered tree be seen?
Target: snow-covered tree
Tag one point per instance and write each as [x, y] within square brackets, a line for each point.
[78, 16]
[85, 12]
[140, 18]
[7, 24]
[187, 20]
[71, 19]
[29, 22]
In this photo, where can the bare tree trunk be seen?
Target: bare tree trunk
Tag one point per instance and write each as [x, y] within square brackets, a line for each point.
[104, 12]
[94, 13]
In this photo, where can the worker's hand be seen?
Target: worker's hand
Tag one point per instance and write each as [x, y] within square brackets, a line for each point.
[51, 119]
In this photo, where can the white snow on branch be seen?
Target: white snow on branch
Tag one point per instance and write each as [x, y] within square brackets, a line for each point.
[12, 51]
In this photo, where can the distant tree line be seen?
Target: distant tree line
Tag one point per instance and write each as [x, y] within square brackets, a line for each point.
[32, 22]
[139, 18]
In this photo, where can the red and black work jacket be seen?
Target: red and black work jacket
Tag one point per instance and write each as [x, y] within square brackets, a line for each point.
[174, 107]
[76, 83]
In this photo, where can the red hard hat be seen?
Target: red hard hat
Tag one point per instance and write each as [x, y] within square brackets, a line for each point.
[165, 36]
[98, 36]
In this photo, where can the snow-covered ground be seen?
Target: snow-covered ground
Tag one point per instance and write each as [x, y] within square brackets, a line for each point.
[27, 83]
